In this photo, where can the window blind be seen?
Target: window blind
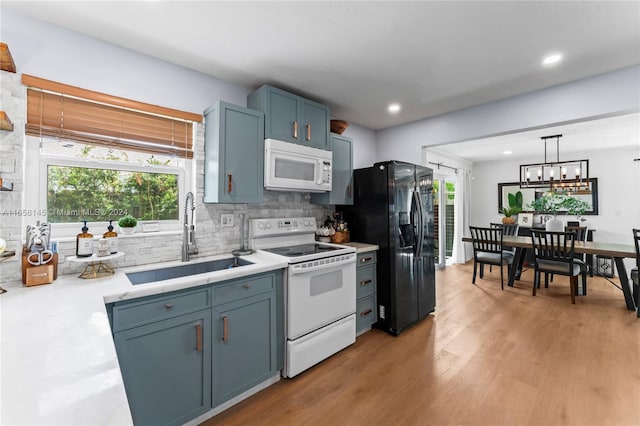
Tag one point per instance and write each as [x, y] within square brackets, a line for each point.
[67, 112]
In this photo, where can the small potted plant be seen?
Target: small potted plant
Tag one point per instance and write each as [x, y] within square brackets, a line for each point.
[515, 207]
[127, 224]
[549, 204]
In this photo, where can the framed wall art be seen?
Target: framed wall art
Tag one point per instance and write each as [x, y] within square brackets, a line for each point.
[525, 220]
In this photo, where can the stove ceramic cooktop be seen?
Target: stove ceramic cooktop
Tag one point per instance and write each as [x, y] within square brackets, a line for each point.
[303, 249]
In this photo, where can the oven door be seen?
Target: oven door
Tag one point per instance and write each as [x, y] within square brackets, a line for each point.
[320, 294]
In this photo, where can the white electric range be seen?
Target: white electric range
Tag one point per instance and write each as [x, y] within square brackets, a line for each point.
[319, 289]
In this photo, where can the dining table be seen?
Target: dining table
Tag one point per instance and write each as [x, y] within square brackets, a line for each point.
[616, 251]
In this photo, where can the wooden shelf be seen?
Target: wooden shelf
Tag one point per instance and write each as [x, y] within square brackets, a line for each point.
[5, 122]
[6, 60]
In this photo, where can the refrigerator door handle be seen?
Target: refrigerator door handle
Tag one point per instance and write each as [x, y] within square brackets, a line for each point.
[420, 239]
[415, 221]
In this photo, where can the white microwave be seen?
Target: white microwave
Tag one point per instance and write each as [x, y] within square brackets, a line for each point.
[292, 167]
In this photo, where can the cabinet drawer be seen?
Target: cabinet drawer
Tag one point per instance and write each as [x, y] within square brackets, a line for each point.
[243, 287]
[155, 308]
[365, 280]
[366, 258]
[366, 313]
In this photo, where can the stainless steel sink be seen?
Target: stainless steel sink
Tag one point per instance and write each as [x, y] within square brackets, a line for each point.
[185, 270]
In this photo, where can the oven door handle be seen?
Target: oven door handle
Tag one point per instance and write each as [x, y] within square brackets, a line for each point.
[298, 270]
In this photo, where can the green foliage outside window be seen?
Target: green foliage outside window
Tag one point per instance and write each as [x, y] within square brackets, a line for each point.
[450, 187]
[83, 193]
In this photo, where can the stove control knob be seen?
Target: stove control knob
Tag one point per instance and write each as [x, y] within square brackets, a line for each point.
[268, 226]
[307, 223]
[260, 225]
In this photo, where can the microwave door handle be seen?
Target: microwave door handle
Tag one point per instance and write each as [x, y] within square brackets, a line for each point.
[319, 172]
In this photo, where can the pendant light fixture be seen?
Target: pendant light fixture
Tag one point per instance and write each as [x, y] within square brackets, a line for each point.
[557, 176]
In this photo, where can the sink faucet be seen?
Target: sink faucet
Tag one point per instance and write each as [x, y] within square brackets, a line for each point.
[189, 232]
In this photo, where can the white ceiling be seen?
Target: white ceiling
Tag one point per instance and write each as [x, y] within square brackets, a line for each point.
[431, 57]
[577, 138]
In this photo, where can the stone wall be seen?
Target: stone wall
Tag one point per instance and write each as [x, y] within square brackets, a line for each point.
[12, 102]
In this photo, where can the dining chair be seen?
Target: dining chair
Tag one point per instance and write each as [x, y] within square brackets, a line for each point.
[487, 249]
[554, 254]
[635, 271]
[507, 229]
[581, 235]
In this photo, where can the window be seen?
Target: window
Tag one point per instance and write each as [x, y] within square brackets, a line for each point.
[97, 162]
[103, 193]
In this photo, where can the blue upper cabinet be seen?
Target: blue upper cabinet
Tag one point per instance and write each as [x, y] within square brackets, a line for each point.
[291, 118]
[234, 154]
[342, 174]
[281, 121]
[316, 125]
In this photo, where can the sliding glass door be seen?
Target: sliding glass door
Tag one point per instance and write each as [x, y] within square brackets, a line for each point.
[444, 214]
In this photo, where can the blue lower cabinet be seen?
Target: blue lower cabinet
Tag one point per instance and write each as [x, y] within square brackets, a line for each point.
[185, 352]
[244, 345]
[366, 292]
[166, 368]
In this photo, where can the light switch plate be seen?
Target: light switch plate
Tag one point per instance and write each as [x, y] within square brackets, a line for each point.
[226, 220]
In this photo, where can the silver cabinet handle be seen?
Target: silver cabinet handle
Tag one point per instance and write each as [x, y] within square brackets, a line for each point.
[168, 306]
[295, 129]
[365, 282]
[365, 313]
[308, 132]
[366, 259]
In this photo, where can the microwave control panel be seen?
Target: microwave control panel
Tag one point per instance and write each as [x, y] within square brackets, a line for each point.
[325, 173]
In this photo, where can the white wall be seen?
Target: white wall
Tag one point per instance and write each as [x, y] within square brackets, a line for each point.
[618, 192]
[364, 145]
[610, 93]
[57, 54]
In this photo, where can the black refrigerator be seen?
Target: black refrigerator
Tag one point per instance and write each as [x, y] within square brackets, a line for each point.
[393, 208]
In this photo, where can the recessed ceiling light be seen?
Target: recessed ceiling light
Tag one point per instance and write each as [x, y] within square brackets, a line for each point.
[393, 108]
[507, 152]
[552, 59]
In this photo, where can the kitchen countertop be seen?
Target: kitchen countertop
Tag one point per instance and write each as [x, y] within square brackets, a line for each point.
[362, 247]
[59, 363]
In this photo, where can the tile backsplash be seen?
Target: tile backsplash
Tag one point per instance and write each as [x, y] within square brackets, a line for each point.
[211, 237]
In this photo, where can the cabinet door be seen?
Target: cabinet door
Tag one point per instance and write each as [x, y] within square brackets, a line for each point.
[282, 120]
[315, 125]
[234, 155]
[342, 174]
[244, 345]
[166, 368]
[365, 313]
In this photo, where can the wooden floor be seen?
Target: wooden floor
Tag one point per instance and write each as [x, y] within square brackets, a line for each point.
[486, 357]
